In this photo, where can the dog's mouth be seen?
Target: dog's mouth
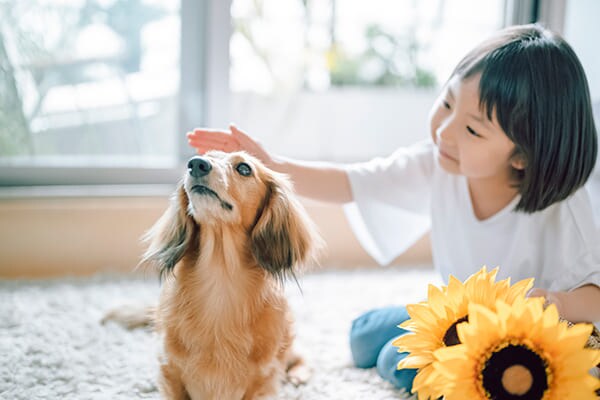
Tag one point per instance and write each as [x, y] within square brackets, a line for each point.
[206, 191]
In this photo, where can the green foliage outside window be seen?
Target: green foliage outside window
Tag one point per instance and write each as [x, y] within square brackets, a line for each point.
[385, 62]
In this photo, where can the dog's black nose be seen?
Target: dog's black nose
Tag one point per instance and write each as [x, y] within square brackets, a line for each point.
[199, 167]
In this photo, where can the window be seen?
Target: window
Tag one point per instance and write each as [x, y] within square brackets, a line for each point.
[98, 91]
[90, 90]
[347, 80]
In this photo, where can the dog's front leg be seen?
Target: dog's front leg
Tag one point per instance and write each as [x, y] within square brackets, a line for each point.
[260, 390]
[170, 384]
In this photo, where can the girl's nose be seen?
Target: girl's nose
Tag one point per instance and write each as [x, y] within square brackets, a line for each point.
[446, 130]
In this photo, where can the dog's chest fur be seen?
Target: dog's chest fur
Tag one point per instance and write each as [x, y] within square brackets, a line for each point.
[219, 313]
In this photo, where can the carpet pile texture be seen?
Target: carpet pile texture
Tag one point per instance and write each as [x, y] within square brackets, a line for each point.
[52, 345]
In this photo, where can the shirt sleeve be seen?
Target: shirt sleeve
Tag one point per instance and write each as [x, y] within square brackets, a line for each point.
[392, 200]
[591, 275]
[581, 244]
[585, 269]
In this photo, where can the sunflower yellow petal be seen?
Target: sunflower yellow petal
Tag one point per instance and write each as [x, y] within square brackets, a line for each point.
[422, 313]
[414, 362]
[429, 384]
[462, 392]
[519, 289]
[450, 352]
[581, 389]
[574, 337]
[408, 324]
[436, 299]
[424, 390]
[592, 382]
[413, 340]
[581, 361]
[483, 320]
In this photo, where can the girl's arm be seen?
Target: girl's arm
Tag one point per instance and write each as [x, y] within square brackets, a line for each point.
[578, 305]
[319, 181]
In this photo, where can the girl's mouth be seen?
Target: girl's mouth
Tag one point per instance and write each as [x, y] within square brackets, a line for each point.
[446, 155]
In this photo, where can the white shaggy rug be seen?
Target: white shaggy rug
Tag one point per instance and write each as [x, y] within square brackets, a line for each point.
[52, 345]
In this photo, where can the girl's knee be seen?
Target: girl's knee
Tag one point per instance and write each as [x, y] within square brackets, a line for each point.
[387, 367]
[363, 345]
[371, 331]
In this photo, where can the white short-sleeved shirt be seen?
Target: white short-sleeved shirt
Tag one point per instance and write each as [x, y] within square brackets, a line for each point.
[399, 198]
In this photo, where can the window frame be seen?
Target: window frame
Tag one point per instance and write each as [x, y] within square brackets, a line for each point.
[202, 101]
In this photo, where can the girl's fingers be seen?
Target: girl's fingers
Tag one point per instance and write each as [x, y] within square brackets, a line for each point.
[208, 142]
[250, 144]
[208, 130]
[235, 131]
[203, 147]
[247, 142]
[232, 145]
[209, 139]
[240, 135]
[203, 133]
[227, 145]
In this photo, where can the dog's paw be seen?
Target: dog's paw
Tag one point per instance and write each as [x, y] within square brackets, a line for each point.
[299, 374]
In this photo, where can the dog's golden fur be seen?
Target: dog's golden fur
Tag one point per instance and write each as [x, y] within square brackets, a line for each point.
[229, 238]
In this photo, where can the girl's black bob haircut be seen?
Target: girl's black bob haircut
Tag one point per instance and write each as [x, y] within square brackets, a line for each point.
[534, 82]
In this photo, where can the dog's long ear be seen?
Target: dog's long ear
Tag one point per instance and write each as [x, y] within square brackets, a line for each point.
[283, 235]
[171, 236]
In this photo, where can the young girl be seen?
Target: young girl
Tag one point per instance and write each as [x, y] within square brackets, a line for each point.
[499, 184]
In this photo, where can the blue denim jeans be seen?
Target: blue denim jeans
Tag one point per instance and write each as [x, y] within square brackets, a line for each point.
[371, 338]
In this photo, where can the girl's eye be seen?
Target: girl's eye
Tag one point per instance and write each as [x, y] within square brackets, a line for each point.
[446, 104]
[244, 169]
[472, 132]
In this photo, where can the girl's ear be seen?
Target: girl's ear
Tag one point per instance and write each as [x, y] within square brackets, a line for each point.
[171, 236]
[283, 235]
[517, 161]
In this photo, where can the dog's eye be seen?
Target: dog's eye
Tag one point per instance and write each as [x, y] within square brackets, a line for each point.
[244, 169]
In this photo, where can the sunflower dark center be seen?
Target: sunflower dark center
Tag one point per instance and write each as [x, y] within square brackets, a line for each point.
[515, 372]
[451, 335]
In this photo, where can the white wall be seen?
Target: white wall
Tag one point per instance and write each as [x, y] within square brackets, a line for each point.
[582, 31]
[339, 124]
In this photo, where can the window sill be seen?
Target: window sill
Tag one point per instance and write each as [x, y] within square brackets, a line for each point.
[84, 191]
[58, 231]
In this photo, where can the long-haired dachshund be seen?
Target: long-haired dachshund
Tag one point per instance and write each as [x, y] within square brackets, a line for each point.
[231, 235]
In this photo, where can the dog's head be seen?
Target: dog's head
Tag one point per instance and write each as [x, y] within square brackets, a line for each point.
[235, 194]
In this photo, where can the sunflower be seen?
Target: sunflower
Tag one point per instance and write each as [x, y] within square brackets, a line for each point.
[433, 323]
[518, 351]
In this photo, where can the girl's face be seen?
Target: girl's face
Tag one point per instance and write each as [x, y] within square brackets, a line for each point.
[468, 142]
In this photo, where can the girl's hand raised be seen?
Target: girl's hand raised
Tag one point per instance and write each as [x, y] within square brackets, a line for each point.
[203, 140]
